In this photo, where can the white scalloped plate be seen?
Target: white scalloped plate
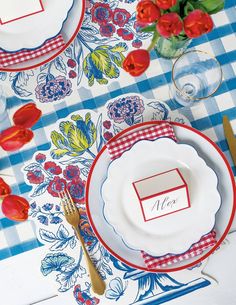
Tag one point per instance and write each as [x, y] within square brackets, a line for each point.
[173, 233]
[32, 31]
[213, 158]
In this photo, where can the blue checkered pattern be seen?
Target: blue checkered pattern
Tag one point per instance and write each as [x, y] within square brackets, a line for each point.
[205, 116]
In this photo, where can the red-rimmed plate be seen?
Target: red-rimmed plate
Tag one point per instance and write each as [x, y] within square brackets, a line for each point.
[69, 30]
[162, 235]
[206, 150]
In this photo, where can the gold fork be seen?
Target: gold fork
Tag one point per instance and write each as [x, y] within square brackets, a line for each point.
[73, 218]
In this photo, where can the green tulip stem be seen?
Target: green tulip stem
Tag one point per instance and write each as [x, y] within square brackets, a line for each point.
[154, 41]
[91, 154]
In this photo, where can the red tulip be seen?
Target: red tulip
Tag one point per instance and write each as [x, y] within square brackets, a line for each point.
[147, 12]
[4, 189]
[169, 25]
[27, 115]
[197, 23]
[15, 208]
[15, 137]
[136, 62]
[165, 4]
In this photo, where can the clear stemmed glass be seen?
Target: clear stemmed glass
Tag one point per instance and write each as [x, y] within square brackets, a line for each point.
[196, 75]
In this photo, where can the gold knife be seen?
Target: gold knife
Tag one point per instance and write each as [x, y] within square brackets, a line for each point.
[230, 137]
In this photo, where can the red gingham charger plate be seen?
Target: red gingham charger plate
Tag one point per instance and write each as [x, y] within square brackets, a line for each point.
[207, 150]
[69, 31]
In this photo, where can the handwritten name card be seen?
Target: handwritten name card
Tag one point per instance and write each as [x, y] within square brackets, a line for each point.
[12, 10]
[162, 194]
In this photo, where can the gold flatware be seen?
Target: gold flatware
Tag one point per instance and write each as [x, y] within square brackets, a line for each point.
[230, 137]
[73, 218]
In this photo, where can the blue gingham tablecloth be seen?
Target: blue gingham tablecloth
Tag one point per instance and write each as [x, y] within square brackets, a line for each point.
[79, 89]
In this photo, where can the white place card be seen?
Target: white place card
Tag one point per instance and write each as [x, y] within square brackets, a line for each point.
[12, 10]
[162, 194]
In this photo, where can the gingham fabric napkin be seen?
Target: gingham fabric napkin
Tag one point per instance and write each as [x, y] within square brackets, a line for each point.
[208, 240]
[116, 149]
[12, 58]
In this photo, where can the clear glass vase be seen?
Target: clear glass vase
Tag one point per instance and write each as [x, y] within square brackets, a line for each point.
[172, 47]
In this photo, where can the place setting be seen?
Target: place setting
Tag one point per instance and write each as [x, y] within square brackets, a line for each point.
[105, 181]
[117, 167]
[149, 231]
[32, 34]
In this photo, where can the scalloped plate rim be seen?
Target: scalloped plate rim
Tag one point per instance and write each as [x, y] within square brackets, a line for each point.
[111, 241]
[124, 232]
[43, 39]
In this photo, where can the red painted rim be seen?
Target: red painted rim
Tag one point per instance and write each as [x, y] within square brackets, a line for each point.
[56, 54]
[175, 268]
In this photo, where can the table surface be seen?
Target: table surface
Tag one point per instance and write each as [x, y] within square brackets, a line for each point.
[30, 85]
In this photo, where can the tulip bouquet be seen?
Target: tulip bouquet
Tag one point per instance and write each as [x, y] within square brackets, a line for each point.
[173, 24]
